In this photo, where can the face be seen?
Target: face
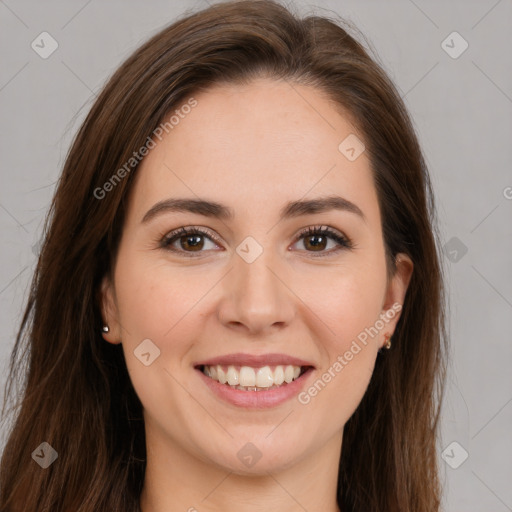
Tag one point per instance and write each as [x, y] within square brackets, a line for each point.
[264, 287]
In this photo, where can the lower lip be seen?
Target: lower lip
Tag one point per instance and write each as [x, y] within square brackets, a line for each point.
[257, 399]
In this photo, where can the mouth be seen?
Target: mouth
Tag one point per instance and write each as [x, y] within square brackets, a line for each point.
[254, 378]
[255, 381]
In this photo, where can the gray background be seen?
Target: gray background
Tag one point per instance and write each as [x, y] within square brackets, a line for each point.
[461, 108]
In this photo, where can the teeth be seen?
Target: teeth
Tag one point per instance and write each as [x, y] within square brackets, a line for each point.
[264, 377]
[232, 376]
[247, 376]
[253, 379]
[279, 375]
[221, 376]
[288, 374]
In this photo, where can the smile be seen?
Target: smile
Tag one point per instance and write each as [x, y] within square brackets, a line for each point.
[255, 381]
[248, 378]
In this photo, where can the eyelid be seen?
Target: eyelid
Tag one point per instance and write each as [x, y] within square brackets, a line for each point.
[332, 232]
[187, 230]
[342, 241]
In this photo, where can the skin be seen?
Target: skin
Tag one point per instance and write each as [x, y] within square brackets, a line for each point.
[253, 148]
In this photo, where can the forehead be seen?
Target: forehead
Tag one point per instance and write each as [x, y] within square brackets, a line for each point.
[264, 143]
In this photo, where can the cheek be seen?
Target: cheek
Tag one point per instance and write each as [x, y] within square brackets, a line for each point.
[158, 305]
[155, 299]
[350, 305]
[339, 389]
[350, 309]
[347, 300]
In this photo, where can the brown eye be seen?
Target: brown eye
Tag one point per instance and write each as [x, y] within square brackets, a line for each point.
[188, 240]
[316, 242]
[316, 239]
[193, 242]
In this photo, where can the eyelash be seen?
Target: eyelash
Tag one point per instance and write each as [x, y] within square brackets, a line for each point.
[342, 241]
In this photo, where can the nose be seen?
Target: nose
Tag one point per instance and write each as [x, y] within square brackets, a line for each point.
[257, 298]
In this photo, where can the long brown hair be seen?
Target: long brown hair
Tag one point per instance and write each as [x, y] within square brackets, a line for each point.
[76, 394]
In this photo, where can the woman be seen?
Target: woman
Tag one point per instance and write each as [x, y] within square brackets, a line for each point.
[239, 300]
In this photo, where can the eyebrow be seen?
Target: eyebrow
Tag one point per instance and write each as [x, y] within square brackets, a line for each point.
[216, 210]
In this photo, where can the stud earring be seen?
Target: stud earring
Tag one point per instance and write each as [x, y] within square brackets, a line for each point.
[106, 328]
[387, 341]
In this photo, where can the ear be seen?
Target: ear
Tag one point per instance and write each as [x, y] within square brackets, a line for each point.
[395, 293]
[109, 311]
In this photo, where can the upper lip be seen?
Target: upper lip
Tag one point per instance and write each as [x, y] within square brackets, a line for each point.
[240, 359]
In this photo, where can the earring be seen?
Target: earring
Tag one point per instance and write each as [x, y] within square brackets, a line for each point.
[106, 328]
[387, 341]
